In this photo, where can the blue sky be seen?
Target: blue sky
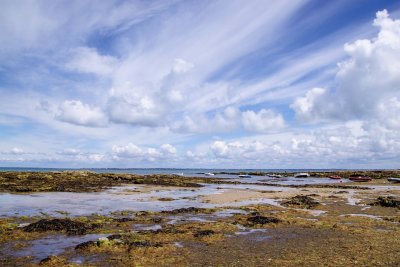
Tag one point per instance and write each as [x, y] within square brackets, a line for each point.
[219, 84]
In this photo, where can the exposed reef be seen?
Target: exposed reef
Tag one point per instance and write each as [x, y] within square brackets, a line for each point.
[305, 202]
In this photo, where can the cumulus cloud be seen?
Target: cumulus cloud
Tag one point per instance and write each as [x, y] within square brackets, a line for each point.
[263, 121]
[230, 119]
[75, 112]
[366, 79]
[88, 60]
[91, 157]
[168, 149]
[132, 151]
[128, 151]
[148, 103]
[388, 114]
[134, 105]
[226, 150]
[353, 144]
[222, 121]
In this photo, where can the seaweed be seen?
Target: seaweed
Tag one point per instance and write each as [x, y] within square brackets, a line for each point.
[302, 201]
[71, 227]
[389, 202]
[263, 220]
[202, 233]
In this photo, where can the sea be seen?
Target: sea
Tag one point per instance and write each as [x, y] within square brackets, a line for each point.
[146, 171]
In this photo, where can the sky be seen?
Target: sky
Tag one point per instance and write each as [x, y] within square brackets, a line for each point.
[200, 84]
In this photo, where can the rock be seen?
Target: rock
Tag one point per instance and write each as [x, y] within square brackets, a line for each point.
[71, 227]
[123, 219]
[389, 201]
[202, 233]
[263, 220]
[305, 202]
[166, 199]
[86, 245]
[113, 237]
[157, 220]
[53, 261]
[142, 213]
[184, 210]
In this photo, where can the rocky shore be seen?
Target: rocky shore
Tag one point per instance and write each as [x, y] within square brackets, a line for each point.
[231, 224]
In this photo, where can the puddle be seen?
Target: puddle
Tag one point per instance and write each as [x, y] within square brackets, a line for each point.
[178, 244]
[129, 198]
[112, 200]
[316, 212]
[351, 200]
[52, 245]
[250, 231]
[79, 204]
[256, 235]
[146, 227]
[383, 187]
[229, 213]
[297, 181]
[190, 218]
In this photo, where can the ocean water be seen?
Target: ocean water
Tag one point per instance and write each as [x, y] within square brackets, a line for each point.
[144, 171]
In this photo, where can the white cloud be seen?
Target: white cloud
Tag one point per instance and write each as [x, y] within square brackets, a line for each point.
[87, 60]
[351, 145]
[14, 151]
[17, 151]
[366, 79]
[128, 151]
[134, 105]
[222, 121]
[168, 149]
[388, 114]
[132, 151]
[181, 66]
[91, 157]
[263, 121]
[69, 152]
[75, 112]
[230, 119]
[308, 107]
[29, 25]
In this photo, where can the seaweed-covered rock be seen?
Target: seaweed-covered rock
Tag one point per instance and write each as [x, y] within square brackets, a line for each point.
[166, 199]
[263, 220]
[114, 237]
[185, 210]
[86, 245]
[202, 233]
[71, 227]
[53, 261]
[123, 219]
[157, 220]
[302, 201]
[389, 201]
